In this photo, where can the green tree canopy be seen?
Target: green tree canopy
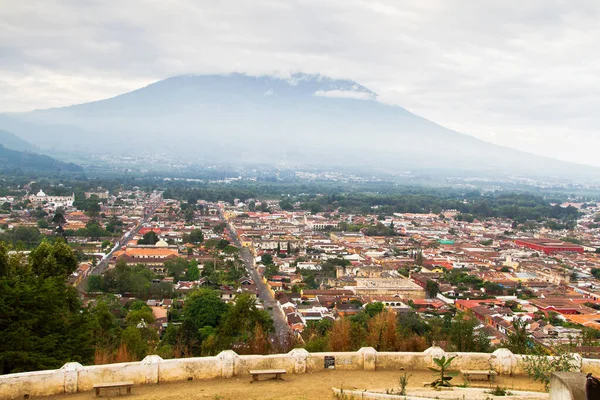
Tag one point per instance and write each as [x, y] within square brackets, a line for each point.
[150, 238]
[53, 260]
[195, 236]
[176, 267]
[432, 288]
[42, 323]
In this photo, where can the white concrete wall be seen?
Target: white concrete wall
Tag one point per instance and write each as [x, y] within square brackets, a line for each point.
[73, 377]
[568, 386]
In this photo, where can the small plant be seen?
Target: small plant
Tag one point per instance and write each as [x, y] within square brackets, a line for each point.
[341, 395]
[443, 364]
[498, 391]
[403, 381]
[540, 368]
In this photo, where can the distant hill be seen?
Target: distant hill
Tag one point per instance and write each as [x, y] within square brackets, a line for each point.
[12, 141]
[19, 162]
[305, 120]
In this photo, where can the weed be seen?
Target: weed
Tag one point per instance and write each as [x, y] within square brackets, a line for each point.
[498, 391]
[403, 381]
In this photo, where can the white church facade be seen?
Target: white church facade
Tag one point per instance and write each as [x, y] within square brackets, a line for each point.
[42, 199]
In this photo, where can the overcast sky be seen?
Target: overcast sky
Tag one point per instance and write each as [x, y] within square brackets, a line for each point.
[523, 73]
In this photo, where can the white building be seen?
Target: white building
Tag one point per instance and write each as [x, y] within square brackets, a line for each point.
[42, 199]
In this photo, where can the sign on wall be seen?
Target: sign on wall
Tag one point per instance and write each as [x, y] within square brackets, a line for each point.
[329, 362]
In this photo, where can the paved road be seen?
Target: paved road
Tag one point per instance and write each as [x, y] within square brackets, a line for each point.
[103, 264]
[282, 329]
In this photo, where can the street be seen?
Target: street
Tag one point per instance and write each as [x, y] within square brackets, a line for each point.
[103, 264]
[282, 329]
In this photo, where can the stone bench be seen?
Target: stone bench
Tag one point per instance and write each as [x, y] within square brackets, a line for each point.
[113, 385]
[475, 374]
[257, 372]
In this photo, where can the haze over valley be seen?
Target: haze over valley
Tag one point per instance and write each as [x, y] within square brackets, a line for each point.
[300, 121]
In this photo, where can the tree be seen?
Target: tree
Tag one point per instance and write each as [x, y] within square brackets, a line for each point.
[219, 228]
[188, 214]
[59, 218]
[463, 337]
[518, 340]
[57, 260]
[340, 335]
[26, 237]
[139, 315]
[372, 309]
[286, 205]
[493, 288]
[193, 272]
[203, 308]
[241, 320]
[94, 210]
[419, 258]
[222, 244]
[259, 344]
[105, 327]
[176, 267]
[43, 323]
[94, 284]
[195, 237]
[106, 245]
[95, 231]
[271, 270]
[132, 340]
[432, 288]
[149, 238]
[266, 259]
[136, 280]
[382, 333]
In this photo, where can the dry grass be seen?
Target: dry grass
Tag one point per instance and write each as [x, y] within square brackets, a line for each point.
[295, 387]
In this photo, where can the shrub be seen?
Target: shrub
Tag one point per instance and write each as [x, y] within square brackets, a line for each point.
[540, 368]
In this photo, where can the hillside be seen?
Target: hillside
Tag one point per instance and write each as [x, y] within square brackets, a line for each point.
[12, 141]
[306, 120]
[18, 162]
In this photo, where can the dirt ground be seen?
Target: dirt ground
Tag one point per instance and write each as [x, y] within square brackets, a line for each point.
[293, 387]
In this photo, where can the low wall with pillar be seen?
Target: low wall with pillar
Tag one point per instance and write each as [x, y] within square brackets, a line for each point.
[568, 386]
[73, 377]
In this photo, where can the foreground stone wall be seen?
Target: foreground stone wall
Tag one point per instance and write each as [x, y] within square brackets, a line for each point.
[73, 377]
[568, 386]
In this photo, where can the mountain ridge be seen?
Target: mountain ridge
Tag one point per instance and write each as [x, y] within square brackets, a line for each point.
[13, 142]
[305, 118]
[24, 162]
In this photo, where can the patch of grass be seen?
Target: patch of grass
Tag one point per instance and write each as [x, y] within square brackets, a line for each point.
[343, 396]
[498, 391]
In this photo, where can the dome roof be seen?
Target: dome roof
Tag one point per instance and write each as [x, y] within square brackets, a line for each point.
[161, 243]
[41, 193]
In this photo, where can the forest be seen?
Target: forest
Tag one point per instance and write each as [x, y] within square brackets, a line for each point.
[519, 207]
